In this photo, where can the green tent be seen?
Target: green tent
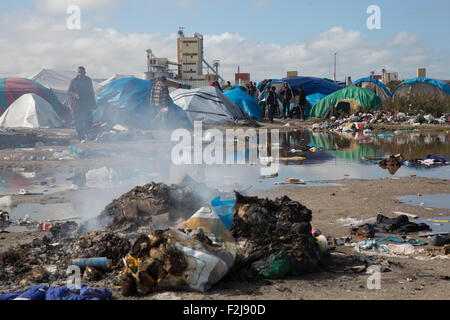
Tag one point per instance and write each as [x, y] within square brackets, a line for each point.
[347, 100]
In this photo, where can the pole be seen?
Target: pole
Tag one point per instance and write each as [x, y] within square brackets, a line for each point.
[334, 75]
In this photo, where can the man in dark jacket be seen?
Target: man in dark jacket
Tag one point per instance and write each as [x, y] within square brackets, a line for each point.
[300, 101]
[271, 102]
[82, 102]
[286, 96]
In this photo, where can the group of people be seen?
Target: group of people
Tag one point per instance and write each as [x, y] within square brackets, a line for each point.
[286, 97]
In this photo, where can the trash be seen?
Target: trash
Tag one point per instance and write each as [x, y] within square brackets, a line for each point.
[44, 292]
[39, 144]
[440, 240]
[294, 181]
[102, 175]
[269, 176]
[323, 243]
[45, 226]
[136, 208]
[445, 277]
[315, 232]
[224, 209]
[100, 263]
[172, 259]
[400, 224]
[264, 227]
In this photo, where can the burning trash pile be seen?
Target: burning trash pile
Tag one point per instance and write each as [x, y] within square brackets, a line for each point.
[150, 206]
[363, 121]
[247, 237]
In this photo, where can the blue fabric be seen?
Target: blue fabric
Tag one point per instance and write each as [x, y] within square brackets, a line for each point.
[224, 209]
[9, 296]
[131, 94]
[435, 158]
[246, 102]
[377, 82]
[43, 292]
[312, 85]
[314, 98]
[438, 83]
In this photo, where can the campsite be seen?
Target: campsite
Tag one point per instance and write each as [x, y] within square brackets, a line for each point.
[181, 184]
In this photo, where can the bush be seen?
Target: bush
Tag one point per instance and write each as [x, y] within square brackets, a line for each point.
[419, 104]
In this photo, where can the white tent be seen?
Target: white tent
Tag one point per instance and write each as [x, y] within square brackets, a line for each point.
[59, 82]
[207, 104]
[30, 111]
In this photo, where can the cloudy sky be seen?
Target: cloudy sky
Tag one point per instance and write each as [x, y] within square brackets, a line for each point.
[264, 37]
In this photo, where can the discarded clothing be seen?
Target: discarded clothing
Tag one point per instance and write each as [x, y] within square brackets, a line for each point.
[400, 224]
[43, 292]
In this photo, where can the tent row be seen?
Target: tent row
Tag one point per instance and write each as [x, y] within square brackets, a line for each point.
[29, 103]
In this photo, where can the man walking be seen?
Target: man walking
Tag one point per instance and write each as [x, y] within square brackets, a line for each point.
[82, 103]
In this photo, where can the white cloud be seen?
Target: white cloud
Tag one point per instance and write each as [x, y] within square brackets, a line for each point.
[44, 42]
[403, 39]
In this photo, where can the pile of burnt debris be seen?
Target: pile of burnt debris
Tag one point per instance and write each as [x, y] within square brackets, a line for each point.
[268, 238]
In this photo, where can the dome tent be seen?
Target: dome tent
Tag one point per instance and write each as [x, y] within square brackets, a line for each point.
[12, 89]
[126, 101]
[207, 104]
[375, 86]
[312, 85]
[422, 86]
[30, 111]
[348, 100]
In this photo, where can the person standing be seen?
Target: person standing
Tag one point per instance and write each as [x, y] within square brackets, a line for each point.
[271, 102]
[286, 96]
[159, 96]
[82, 102]
[300, 101]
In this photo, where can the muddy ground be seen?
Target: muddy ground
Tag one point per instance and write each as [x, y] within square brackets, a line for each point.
[353, 198]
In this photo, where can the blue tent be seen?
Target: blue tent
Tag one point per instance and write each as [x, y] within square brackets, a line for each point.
[312, 85]
[314, 98]
[268, 80]
[418, 85]
[132, 94]
[377, 82]
[246, 102]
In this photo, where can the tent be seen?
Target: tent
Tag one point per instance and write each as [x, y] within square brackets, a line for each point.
[312, 85]
[99, 87]
[58, 81]
[30, 111]
[347, 100]
[314, 98]
[127, 101]
[12, 89]
[375, 86]
[246, 102]
[207, 104]
[422, 86]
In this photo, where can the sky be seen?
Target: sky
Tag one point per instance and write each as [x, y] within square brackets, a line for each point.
[262, 37]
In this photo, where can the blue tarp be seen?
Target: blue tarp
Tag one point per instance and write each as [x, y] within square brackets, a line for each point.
[246, 102]
[131, 94]
[312, 85]
[268, 80]
[377, 82]
[314, 98]
[44, 292]
[438, 83]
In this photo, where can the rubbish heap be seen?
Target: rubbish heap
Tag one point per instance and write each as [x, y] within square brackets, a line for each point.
[274, 238]
[363, 121]
[150, 206]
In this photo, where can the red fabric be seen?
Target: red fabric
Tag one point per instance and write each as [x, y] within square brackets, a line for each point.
[15, 88]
